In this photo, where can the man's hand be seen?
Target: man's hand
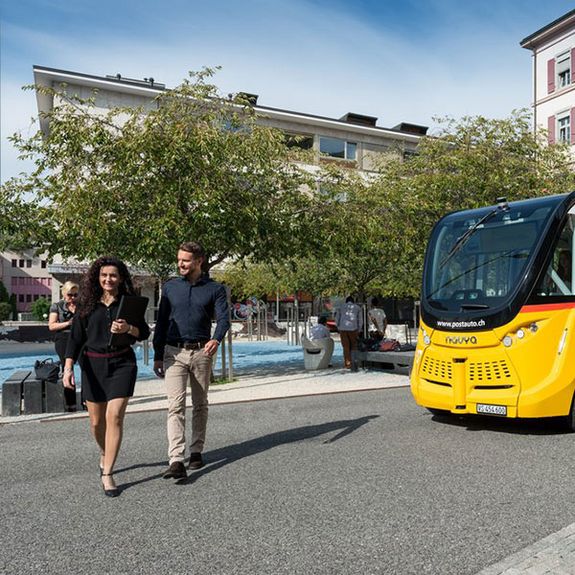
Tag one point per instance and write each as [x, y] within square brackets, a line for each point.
[211, 348]
[159, 368]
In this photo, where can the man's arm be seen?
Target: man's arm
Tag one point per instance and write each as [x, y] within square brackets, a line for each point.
[160, 334]
[222, 314]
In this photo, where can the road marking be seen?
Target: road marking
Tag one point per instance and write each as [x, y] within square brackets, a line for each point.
[553, 555]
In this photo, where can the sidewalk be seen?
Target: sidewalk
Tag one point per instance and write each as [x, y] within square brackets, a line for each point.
[255, 386]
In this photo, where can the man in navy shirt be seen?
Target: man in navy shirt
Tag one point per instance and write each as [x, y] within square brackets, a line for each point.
[184, 349]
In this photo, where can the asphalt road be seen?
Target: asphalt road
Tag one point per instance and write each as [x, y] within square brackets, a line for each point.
[363, 482]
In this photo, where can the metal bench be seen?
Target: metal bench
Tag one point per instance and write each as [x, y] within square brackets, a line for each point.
[397, 359]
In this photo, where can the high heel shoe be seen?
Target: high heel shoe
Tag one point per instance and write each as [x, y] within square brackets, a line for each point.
[114, 492]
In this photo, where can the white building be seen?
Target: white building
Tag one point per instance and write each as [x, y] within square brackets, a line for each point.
[553, 48]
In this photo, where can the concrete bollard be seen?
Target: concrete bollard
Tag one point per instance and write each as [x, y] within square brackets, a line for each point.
[32, 396]
[54, 397]
[12, 393]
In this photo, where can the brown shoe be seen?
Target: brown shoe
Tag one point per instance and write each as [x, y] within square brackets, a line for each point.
[196, 461]
[175, 471]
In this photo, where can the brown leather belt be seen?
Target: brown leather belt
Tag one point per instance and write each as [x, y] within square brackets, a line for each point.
[107, 355]
[188, 344]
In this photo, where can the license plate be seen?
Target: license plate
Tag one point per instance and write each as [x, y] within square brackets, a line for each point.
[491, 409]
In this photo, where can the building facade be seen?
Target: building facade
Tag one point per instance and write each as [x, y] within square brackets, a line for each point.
[26, 275]
[354, 140]
[553, 48]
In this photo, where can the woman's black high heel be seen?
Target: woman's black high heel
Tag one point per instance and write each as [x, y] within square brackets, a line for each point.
[114, 492]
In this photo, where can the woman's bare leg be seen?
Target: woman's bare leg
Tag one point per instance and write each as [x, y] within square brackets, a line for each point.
[115, 411]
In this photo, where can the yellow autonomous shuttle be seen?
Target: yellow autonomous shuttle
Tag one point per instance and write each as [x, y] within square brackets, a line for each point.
[497, 330]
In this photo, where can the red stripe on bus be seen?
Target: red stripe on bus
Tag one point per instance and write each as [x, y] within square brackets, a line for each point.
[547, 307]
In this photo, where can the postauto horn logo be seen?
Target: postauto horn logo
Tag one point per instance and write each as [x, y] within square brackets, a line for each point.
[460, 340]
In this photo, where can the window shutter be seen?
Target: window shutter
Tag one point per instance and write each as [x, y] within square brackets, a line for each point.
[551, 129]
[572, 126]
[550, 75]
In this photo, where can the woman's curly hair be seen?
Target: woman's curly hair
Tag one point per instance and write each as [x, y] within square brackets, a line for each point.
[91, 291]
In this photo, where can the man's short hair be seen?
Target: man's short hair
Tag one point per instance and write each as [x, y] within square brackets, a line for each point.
[194, 248]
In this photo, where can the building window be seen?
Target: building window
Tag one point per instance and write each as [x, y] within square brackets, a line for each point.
[14, 263]
[28, 298]
[43, 264]
[564, 128]
[336, 148]
[563, 67]
[21, 298]
[28, 263]
[299, 141]
[20, 263]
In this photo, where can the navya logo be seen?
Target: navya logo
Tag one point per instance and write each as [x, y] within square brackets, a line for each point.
[461, 340]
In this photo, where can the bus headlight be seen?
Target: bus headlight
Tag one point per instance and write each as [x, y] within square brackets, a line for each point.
[520, 334]
[425, 337]
[507, 341]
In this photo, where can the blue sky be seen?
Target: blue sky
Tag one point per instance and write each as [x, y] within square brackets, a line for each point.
[398, 60]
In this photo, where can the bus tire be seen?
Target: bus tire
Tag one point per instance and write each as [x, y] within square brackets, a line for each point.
[570, 419]
[438, 412]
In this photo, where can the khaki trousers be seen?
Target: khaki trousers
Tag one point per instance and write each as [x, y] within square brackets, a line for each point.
[182, 366]
[348, 342]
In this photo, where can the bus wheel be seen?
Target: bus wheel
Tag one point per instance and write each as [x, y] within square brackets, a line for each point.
[570, 419]
[438, 412]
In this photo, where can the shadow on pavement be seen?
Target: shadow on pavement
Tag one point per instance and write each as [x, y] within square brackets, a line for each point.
[542, 426]
[218, 458]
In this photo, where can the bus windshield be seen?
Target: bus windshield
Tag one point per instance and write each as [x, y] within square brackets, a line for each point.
[477, 258]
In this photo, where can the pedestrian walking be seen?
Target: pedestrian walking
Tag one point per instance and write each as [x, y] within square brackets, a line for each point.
[108, 372]
[349, 322]
[184, 348]
[60, 319]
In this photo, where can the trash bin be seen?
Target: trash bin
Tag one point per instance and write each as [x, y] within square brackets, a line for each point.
[317, 353]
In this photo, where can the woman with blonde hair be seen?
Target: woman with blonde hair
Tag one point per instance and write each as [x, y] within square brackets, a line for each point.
[60, 320]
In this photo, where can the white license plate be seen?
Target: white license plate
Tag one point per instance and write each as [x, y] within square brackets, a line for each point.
[491, 409]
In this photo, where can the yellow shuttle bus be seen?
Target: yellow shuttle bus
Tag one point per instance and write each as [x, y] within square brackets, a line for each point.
[497, 331]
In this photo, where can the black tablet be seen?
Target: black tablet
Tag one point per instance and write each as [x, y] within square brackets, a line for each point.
[132, 308]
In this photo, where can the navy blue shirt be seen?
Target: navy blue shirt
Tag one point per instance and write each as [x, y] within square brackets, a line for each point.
[186, 312]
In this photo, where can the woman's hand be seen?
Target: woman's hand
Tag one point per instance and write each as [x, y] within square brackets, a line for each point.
[68, 378]
[120, 326]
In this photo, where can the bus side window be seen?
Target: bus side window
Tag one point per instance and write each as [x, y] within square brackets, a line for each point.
[564, 270]
[558, 279]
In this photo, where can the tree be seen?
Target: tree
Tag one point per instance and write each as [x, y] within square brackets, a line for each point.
[374, 230]
[469, 164]
[40, 309]
[137, 182]
[5, 311]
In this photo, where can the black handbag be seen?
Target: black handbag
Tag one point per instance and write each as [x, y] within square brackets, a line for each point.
[47, 369]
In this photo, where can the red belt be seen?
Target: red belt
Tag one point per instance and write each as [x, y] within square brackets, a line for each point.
[107, 355]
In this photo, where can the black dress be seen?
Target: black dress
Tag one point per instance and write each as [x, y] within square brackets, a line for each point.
[107, 372]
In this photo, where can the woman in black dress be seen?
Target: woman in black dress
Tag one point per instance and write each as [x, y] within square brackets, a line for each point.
[108, 373]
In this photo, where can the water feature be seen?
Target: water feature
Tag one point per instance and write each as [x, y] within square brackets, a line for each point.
[248, 357]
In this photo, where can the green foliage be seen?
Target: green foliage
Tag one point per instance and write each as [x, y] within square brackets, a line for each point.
[374, 229]
[14, 306]
[40, 309]
[470, 163]
[5, 311]
[4, 297]
[137, 182]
